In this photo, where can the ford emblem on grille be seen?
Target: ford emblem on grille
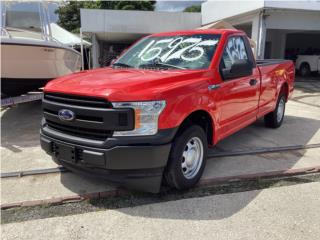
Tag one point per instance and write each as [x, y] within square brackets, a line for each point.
[66, 115]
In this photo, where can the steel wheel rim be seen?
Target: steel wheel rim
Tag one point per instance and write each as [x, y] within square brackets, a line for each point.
[280, 111]
[192, 158]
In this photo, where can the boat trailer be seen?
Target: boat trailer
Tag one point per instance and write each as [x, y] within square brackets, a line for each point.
[29, 97]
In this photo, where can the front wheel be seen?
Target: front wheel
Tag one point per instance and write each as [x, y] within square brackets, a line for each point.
[275, 118]
[187, 158]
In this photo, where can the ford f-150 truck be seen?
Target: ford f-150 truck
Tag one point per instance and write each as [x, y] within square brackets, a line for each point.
[151, 116]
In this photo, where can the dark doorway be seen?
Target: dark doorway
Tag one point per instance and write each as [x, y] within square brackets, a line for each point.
[303, 43]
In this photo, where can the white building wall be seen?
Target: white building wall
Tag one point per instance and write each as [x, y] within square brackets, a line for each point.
[278, 42]
[215, 10]
[293, 19]
[313, 5]
[141, 22]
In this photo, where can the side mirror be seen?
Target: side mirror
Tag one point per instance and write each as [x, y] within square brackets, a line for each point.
[240, 68]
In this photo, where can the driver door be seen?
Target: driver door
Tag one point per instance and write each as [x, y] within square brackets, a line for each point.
[239, 96]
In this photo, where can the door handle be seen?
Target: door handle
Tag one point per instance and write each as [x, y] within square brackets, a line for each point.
[253, 82]
[213, 87]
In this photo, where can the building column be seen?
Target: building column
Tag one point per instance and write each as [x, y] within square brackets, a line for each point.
[95, 51]
[259, 34]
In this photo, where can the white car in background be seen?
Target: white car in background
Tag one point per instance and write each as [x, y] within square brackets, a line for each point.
[306, 64]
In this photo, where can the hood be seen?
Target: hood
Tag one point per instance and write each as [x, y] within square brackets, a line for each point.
[123, 84]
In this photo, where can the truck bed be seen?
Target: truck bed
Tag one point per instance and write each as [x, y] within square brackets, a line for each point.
[274, 70]
[266, 62]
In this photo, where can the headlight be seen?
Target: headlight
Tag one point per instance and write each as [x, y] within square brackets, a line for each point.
[146, 117]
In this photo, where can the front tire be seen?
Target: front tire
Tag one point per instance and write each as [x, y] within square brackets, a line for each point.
[187, 158]
[275, 118]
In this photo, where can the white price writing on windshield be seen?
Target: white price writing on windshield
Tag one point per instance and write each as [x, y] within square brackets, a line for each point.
[176, 49]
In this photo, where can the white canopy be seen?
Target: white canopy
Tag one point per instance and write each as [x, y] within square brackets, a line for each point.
[66, 37]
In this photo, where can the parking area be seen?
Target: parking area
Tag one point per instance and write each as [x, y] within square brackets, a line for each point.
[254, 151]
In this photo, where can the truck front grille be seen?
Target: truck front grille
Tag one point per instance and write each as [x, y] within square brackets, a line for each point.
[80, 132]
[94, 117]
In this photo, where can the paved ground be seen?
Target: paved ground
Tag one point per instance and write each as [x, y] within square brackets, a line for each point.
[290, 212]
[20, 150]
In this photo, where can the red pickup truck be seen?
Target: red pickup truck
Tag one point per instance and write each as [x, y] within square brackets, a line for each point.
[151, 116]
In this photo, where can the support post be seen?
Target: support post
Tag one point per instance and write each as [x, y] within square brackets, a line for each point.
[81, 48]
[259, 34]
[95, 51]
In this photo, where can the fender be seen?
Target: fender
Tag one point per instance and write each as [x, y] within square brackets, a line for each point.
[282, 81]
[179, 109]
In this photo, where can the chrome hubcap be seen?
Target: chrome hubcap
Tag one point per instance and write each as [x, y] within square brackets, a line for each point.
[280, 111]
[192, 158]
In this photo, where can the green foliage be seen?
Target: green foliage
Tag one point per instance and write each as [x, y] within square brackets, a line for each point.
[69, 13]
[128, 5]
[195, 8]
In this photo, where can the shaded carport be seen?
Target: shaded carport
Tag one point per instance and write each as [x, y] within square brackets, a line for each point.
[302, 43]
[289, 31]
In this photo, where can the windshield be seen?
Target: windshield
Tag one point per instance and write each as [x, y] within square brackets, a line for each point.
[23, 15]
[176, 52]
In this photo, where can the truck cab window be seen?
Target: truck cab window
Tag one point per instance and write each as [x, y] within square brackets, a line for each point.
[234, 50]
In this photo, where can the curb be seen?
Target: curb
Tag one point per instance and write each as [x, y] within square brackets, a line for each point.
[65, 199]
[122, 192]
[277, 173]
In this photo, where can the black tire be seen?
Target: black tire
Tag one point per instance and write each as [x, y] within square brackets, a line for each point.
[271, 120]
[174, 175]
[305, 70]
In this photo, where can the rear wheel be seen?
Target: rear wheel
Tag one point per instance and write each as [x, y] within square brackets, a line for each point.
[187, 158]
[275, 118]
[305, 70]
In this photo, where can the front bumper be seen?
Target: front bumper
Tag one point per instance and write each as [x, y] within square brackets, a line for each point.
[138, 167]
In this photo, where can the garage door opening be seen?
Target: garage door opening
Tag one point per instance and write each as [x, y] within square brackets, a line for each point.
[304, 43]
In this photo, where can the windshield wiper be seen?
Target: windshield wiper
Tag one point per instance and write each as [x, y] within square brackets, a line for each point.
[159, 65]
[118, 64]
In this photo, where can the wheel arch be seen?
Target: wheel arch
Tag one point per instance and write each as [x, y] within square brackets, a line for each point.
[203, 119]
[285, 89]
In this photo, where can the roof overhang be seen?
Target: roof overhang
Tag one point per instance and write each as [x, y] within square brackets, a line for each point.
[225, 25]
[127, 26]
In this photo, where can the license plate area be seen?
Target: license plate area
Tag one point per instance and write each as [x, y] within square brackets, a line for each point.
[64, 152]
[80, 156]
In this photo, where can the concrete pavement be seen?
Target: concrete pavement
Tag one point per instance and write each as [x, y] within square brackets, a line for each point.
[46, 187]
[20, 144]
[290, 212]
